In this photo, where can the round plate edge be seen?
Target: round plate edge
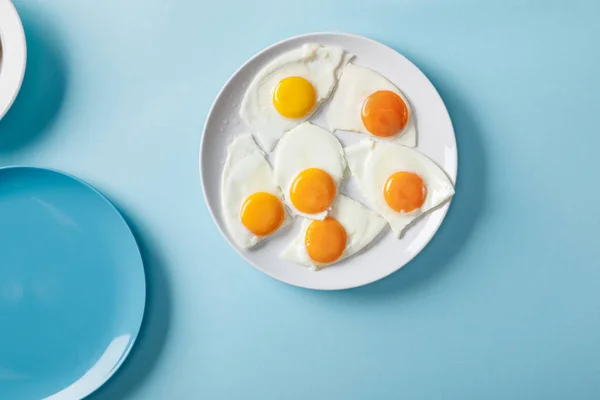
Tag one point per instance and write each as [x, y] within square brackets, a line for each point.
[444, 209]
[138, 323]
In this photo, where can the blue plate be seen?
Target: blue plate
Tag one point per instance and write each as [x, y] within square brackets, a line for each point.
[72, 286]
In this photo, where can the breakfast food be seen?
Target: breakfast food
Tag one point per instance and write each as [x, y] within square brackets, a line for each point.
[309, 163]
[252, 204]
[309, 166]
[400, 183]
[366, 102]
[290, 89]
[347, 230]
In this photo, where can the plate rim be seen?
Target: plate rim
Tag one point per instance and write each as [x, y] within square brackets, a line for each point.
[444, 207]
[144, 290]
[14, 54]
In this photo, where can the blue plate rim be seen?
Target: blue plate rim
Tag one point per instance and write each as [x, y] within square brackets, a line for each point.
[140, 321]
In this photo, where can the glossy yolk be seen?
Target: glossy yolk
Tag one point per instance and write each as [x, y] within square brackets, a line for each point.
[325, 241]
[262, 213]
[312, 191]
[384, 113]
[294, 97]
[404, 191]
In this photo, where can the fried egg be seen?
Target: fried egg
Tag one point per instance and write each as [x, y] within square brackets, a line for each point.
[349, 228]
[290, 89]
[400, 183]
[252, 204]
[366, 102]
[309, 167]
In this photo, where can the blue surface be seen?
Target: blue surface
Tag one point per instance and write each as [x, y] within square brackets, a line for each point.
[72, 288]
[504, 302]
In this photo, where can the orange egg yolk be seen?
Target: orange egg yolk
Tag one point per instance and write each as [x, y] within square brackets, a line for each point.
[384, 113]
[294, 97]
[312, 191]
[325, 241]
[404, 191]
[262, 213]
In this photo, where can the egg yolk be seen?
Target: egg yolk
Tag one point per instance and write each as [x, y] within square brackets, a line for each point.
[312, 191]
[325, 241]
[262, 213]
[294, 97]
[384, 113]
[404, 191]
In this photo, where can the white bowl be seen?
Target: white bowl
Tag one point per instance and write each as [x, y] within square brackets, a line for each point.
[14, 55]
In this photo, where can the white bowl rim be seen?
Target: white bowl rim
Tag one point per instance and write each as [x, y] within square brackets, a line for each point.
[14, 55]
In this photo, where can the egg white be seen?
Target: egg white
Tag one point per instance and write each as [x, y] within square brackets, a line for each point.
[371, 163]
[355, 86]
[307, 146]
[320, 65]
[246, 172]
[361, 224]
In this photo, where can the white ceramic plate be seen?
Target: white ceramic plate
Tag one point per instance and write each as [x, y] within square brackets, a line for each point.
[14, 55]
[435, 139]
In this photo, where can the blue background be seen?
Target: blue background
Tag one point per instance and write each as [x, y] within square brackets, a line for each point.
[503, 304]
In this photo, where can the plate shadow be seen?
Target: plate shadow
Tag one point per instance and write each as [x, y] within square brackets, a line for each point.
[466, 209]
[43, 90]
[155, 327]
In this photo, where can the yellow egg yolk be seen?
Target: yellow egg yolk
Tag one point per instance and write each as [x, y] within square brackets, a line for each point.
[384, 113]
[294, 97]
[325, 241]
[312, 191]
[404, 191]
[262, 213]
